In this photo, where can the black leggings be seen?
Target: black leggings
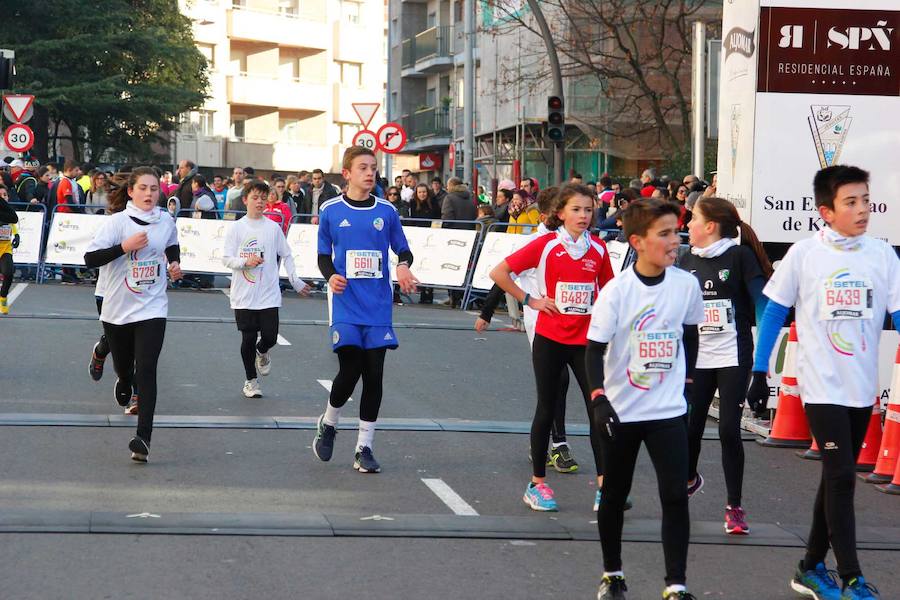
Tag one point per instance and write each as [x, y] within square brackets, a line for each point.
[550, 359]
[558, 431]
[667, 445]
[7, 270]
[135, 349]
[839, 432]
[355, 363]
[102, 347]
[266, 328]
[732, 385]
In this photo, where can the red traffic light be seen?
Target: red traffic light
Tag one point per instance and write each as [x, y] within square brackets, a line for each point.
[554, 103]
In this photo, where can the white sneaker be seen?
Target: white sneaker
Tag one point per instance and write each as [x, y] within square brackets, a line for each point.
[251, 389]
[263, 363]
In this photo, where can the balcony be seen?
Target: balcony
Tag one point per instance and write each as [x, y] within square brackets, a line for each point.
[298, 30]
[427, 129]
[345, 96]
[351, 43]
[428, 52]
[285, 94]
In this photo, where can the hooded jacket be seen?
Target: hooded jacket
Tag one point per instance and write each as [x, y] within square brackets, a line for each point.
[458, 205]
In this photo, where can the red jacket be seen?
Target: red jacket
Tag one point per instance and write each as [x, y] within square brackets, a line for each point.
[285, 211]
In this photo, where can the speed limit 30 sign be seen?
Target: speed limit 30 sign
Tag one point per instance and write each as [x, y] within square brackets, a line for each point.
[19, 138]
[366, 139]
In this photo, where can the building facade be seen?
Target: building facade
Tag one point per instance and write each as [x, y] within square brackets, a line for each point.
[284, 75]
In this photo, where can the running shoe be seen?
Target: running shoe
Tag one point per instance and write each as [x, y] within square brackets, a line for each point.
[263, 363]
[549, 460]
[140, 449]
[819, 583]
[4, 306]
[612, 587]
[132, 408]
[695, 486]
[364, 461]
[323, 445]
[123, 393]
[735, 521]
[599, 495]
[679, 595]
[562, 460]
[540, 497]
[857, 588]
[251, 389]
[96, 366]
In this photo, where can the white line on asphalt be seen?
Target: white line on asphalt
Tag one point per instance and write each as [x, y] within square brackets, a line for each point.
[226, 291]
[15, 292]
[326, 383]
[453, 500]
[282, 341]
[493, 320]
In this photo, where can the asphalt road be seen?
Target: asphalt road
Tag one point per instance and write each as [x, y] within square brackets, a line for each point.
[233, 504]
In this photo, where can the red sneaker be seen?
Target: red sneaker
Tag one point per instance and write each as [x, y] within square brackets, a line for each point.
[735, 522]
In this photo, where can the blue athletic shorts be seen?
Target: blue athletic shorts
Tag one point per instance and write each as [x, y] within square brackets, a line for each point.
[362, 336]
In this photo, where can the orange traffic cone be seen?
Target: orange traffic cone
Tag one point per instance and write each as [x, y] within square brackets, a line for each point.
[894, 486]
[868, 455]
[813, 453]
[890, 439]
[790, 428]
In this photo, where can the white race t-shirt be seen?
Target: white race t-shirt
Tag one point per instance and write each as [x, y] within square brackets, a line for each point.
[135, 288]
[257, 288]
[102, 281]
[643, 325]
[840, 298]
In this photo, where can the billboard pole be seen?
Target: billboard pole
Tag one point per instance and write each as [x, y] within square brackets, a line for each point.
[698, 150]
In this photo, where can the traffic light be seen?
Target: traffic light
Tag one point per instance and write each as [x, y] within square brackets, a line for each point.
[556, 123]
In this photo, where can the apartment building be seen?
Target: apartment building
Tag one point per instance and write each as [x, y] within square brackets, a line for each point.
[284, 75]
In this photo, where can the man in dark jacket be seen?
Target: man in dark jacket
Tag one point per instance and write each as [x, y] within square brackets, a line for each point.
[458, 205]
[185, 193]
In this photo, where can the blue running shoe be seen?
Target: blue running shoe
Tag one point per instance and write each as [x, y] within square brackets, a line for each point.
[819, 583]
[598, 496]
[540, 497]
[364, 461]
[323, 445]
[857, 588]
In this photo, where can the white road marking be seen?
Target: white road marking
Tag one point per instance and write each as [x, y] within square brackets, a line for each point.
[326, 383]
[143, 515]
[453, 500]
[493, 320]
[15, 293]
[282, 341]
[226, 291]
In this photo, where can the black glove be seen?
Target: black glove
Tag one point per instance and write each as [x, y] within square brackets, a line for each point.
[758, 393]
[605, 416]
[15, 241]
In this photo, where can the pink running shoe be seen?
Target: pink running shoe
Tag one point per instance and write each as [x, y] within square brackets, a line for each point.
[735, 523]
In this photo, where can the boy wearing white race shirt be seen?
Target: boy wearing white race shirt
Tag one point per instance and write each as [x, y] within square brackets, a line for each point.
[648, 317]
[253, 247]
[841, 282]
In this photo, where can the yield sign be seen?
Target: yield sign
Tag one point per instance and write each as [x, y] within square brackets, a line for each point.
[366, 112]
[18, 105]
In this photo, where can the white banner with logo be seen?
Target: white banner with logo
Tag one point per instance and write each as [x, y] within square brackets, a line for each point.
[202, 244]
[618, 252]
[303, 240]
[69, 237]
[440, 256]
[496, 247]
[31, 230]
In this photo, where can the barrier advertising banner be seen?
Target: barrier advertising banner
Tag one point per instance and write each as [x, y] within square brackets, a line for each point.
[69, 237]
[303, 240]
[202, 244]
[31, 230]
[440, 256]
[808, 84]
[496, 247]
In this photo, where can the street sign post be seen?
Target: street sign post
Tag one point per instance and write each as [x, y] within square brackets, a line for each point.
[366, 139]
[391, 138]
[19, 137]
[18, 108]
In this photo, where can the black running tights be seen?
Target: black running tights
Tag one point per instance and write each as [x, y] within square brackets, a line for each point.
[135, 350]
[102, 347]
[7, 270]
[550, 359]
[268, 337]
[732, 385]
[667, 445]
[558, 431]
[839, 432]
[355, 363]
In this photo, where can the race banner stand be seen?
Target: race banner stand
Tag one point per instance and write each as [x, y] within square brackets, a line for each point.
[31, 234]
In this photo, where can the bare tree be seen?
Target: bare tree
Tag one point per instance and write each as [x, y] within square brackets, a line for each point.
[637, 53]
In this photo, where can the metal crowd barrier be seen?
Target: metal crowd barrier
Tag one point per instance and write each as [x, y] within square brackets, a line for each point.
[25, 226]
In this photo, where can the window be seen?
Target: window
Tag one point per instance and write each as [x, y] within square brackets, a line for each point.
[205, 122]
[395, 32]
[394, 113]
[288, 7]
[350, 11]
[431, 97]
[290, 130]
[351, 73]
[238, 128]
[431, 20]
[208, 52]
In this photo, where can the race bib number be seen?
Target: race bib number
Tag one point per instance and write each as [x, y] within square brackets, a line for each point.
[653, 351]
[142, 273]
[5, 233]
[248, 251]
[574, 298]
[718, 317]
[364, 264]
[845, 299]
